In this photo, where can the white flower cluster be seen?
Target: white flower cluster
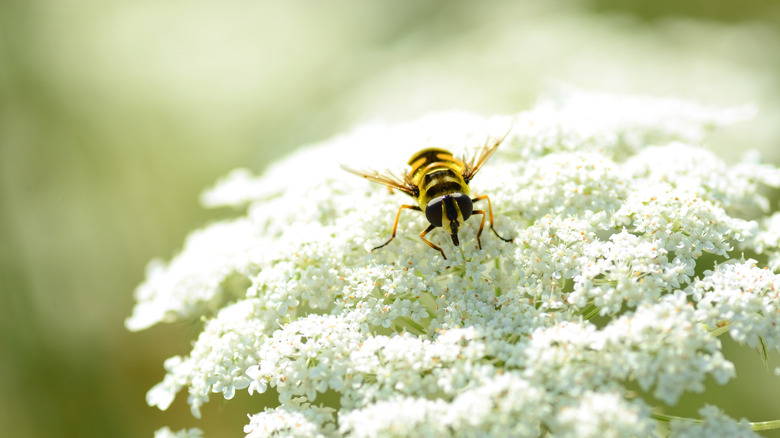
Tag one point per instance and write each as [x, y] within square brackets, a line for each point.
[657, 345]
[503, 406]
[621, 273]
[714, 423]
[297, 418]
[744, 297]
[227, 347]
[198, 280]
[166, 432]
[615, 417]
[768, 241]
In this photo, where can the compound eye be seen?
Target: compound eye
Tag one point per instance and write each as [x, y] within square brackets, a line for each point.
[433, 211]
[464, 204]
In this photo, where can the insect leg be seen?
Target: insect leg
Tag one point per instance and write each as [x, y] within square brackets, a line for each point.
[490, 211]
[481, 226]
[395, 224]
[431, 244]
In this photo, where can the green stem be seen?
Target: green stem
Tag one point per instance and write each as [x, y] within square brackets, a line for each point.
[590, 313]
[407, 322]
[759, 425]
[667, 418]
[765, 425]
[719, 331]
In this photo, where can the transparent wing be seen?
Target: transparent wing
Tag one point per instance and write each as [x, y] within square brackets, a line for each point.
[387, 178]
[473, 164]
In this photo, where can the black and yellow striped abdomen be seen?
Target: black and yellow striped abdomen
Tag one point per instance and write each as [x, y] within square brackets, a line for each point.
[436, 172]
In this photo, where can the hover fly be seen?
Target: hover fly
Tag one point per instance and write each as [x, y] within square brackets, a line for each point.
[439, 183]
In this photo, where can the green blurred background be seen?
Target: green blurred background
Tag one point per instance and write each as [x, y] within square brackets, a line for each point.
[116, 114]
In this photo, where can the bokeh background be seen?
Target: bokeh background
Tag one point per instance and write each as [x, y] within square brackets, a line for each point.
[116, 114]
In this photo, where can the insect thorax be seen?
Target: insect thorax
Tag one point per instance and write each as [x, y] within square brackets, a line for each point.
[436, 172]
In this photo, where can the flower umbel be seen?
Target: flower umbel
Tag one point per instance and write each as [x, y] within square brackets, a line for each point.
[626, 264]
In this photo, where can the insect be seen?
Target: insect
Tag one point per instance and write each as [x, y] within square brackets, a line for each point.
[439, 183]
